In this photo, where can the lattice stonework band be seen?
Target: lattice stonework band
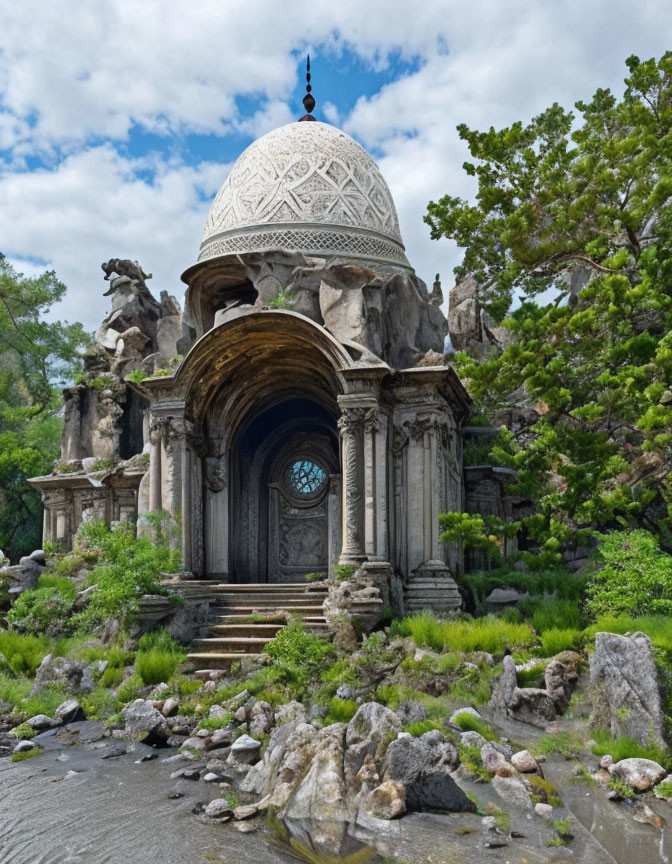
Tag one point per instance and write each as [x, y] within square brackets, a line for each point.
[315, 241]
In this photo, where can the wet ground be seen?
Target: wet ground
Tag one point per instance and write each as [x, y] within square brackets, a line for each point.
[87, 800]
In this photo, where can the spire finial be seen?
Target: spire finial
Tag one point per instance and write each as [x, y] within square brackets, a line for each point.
[308, 99]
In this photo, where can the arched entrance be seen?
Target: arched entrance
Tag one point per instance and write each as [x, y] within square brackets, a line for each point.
[285, 491]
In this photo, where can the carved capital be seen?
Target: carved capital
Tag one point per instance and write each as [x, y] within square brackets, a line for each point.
[372, 420]
[216, 473]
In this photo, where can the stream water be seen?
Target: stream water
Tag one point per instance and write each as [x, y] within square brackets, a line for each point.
[86, 800]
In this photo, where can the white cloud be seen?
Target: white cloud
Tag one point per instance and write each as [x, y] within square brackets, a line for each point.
[93, 206]
[175, 66]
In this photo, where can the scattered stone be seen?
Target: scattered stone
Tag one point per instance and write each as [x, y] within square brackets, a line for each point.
[495, 762]
[247, 811]
[411, 711]
[643, 813]
[220, 738]
[211, 777]
[175, 795]
[292, 712]
[218, 808]
[472, 739]
[65, 674]
[544, 810]
[245, 827]
[245, 750]
[639, 774]
[512, 790]
[606, 762]
[170, 706]
[143, 722]
[195, 743]
[560, 678]
[466, 710]
[40, 722]
[368, 734]
[495, 844]
[524, 762]
[68, 712]
[24, 746]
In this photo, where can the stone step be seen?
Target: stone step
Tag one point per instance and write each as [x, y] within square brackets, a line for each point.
[233, 645]
[259, 586]
[212, 661]
[275, 600]
[250, 610]
[271, 619]
[226, 630]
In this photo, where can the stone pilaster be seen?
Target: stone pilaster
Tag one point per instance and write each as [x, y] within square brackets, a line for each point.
[350, 425]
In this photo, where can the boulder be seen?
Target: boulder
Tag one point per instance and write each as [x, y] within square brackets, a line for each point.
[411, 711]
[261, 718]
[466, 710]
[170, 706]
[640, 774]
[289, 748]
[495, 762]
[59, 671]
[218, 809]
[368, 733]
[626, 693]
[40, 722]
[143, 722]
[321, 793]
[244, 751]
[512, 790]
[472, 739]
[544, 810]
[532, 705]
[561, 678]
[524, 762]
[387, 801]
[422, 766]
[504, 686]
[292, 712]
[68, 712]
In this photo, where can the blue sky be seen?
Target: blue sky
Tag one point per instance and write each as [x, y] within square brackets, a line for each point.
[117, 130]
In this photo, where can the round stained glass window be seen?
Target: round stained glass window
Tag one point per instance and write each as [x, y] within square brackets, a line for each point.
[305, 477]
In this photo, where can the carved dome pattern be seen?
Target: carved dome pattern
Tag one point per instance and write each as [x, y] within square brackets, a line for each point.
[305, 187]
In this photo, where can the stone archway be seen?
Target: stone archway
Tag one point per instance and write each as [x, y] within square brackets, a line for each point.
[285, 491]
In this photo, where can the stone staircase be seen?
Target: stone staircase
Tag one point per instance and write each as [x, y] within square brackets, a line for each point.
[244, 618]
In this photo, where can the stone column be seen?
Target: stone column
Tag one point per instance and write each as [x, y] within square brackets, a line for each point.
[382, 474]
[186, 507]
[155, 460]
[350, 426]
[217, 515]
[371, 424]
[335, 522]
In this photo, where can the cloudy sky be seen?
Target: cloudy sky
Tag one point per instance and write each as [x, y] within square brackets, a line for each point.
[119, 119]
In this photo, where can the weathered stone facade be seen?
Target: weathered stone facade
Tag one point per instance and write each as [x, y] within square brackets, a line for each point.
[312, 422]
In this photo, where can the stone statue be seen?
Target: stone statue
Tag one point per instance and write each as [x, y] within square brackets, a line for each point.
[436, 297]
[123, 267]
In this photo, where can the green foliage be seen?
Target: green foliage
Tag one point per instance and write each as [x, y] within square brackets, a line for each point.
[37, 358]
[556, 640]
[156, 666]
[473, 531]
[628, 748]
[549, 613]
[421, 726]
[470, 760]
[298, 656]
[564, 743]
[630, 575]
[582, 775]
[315, 577]
[664, 789]
[543, 791]
[343, 573]
[128, 566]
[657, 627]
[621, 788]
[45, 701]
[282, 300]
[44, 610]
[23, 731]
[213, 723]
[137, 376]
[26, 754]
[556, 582]
[129, 689]
[578, 205]
[563, 834]
[481, 634]
[468, 723]
[13, 690]
[23, 653]
[101, 703]
[341, 710]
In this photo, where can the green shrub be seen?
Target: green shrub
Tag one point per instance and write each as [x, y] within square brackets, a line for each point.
[564, 743]
[657, 627]
[23, 653]
[481, 634]
[557, 582]
[621, 788]
[543, 791]
[551, 613]
[421, 726]
[213, 723]
[156, 666]
[628, 748]
[532, 677]
[664, 789]
[44, 610]
[45, 701]
[23, 731]
[65, 586]
[298, 656]
[470, 759]
[631, 575]
[128, 690]
[100, 704]
[341, 710]
[13, 690]
[468, 723]
[128, 566]
[554, 641]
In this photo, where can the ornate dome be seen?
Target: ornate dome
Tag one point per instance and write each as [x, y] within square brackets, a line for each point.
[305, 187]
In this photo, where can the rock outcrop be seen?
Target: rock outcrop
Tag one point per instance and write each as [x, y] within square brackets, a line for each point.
[626, 691]
[536, 705]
